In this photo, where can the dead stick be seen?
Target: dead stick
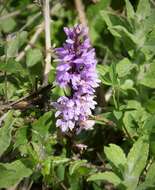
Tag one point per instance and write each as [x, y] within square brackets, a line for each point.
[81, 12]
[15, 13]
[34, 38]
[40, 90]
[46, 11]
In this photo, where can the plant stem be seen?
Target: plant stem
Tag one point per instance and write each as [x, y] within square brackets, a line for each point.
[81, 12]
[4, 6]
[15, 13]
[46, 11]
[114, 98]
[32, 19]
[127, 133]
[31, 42]
[6, 87]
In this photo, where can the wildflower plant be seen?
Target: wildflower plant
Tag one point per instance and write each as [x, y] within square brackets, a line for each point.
[77, 71]
[41, 146]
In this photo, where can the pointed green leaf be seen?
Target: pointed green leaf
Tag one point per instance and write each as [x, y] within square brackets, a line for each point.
[150, 176]
[11, 66]
[8, 24]
[123, 32]
[75, 165]
[149, 182]
[116, 156]
[33, 57]
[136, 162]
[105, 176]
[12, 173]
[41, 127]
[149, 125]
[59, 160]
[21, 137]
[5, 133]
[130, 9]
[148, 78]
[124, 67]
[143, 9]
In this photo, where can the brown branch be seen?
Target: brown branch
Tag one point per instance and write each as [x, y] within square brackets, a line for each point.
[15, 13]
[40, 29]
[34, 38]
[25, 101]
[81, 12]
[13, 188]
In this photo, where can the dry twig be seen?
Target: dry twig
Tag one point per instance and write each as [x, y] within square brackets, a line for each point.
[28, 99]
[46, 10]
[81, 12]
[13, 14]
[34, 38]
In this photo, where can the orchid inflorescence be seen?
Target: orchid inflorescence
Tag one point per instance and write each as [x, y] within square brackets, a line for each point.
[77, 71]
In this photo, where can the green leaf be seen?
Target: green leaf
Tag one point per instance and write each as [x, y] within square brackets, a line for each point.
[46, 166]
[128, 85]
[130, 9]
[143, 9]
[21, 137]
[118, 114]
[59, 160]
[33, 57]
[152, 144]
[12, 47]
[76, 165]
[113, 74]
[60, 171]
[74, 181]
[150, 176]
[11, 66]
[124, 67]
[122, 32]
[102, 69]
[116, 156]
[14, 43]
[12, 173]
[136, 161]
[134, 116]
[149, 124]
[149, 182]
[148, 79]
[150, 105]
[5, 133]
[112, 20]
[41, 127]
[150, 40]
[94, 18]
[22, 38]
[106, 176]
[93, 10]
[8, 24]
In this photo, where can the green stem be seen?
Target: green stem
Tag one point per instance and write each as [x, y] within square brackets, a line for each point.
[128, 134]
[114, 99]
[6, 87]
[4, 6]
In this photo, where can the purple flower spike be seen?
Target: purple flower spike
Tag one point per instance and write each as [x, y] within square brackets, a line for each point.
[76, 70]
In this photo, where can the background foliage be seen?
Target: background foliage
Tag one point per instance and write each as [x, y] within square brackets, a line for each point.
[119, 152]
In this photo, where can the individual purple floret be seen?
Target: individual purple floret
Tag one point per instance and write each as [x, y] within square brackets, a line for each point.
[77, 71]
